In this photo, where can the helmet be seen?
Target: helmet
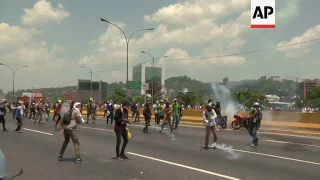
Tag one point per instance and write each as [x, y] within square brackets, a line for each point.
[218, 102]
[256, 104]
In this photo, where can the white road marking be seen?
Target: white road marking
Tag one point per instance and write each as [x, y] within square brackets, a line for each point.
[285, 142]
[290, 135]
[184, 166]
[279, 157]
[97, 129]
[38, 131]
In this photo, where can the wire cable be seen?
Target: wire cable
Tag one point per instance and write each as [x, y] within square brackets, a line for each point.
[248, 52]
[73, 80]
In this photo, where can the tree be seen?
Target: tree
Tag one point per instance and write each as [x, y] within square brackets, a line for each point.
[176, 84]
[118, 96]
[157, 89]
[190, 99]
[248, 99]
[312, 99]
[264, 85]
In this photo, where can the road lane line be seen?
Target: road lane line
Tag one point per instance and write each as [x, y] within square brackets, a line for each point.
[285, 142]
[96, 129]
[184, 166]
[279, 157]
[290, 135]
[38, 131]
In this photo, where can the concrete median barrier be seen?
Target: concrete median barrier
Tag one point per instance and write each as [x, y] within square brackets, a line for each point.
[285, 120]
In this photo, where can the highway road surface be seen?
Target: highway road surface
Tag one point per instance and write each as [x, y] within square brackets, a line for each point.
[158, 156]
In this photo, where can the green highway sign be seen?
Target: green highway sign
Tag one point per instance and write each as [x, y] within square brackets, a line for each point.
[134, 84]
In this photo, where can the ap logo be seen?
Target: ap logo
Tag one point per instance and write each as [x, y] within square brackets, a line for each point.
[263, 14]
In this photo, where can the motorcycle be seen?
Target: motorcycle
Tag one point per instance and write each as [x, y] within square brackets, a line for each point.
[239, 122]
[223, 122]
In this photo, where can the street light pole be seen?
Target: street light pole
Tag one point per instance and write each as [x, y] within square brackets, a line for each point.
[152, 82]
[127, 43]
[13, 74]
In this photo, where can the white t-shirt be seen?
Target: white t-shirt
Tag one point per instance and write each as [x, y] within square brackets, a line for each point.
[209, 118]
[73, 123]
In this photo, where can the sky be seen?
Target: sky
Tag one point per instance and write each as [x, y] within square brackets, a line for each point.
[56, 37]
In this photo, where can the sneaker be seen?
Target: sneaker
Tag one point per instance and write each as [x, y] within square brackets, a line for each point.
[80, 161]
[252, 145]
[5, 130]
[60, 158]
[123, 156]
[119, 158]
[19, 131]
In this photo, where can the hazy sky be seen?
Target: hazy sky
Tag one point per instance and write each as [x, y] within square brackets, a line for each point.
[54, 38]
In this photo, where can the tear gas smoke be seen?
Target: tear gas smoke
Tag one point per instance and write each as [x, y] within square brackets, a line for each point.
[228, 149]
[223, 94]
[172, 136]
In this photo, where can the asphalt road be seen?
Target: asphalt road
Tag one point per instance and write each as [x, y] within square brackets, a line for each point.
[158, 156]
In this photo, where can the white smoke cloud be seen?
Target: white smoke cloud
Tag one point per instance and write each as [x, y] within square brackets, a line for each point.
[224, 95]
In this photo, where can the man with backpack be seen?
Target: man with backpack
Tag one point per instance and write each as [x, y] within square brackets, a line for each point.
[69, 123]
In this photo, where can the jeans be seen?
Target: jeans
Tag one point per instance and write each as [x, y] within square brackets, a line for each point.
[167, 121]
[147, 122]
[176, 120]
[110, 117]
[253, 133]
[75, 139]
[157, 118]
[19, 124]
[3, 121]
[119, 133]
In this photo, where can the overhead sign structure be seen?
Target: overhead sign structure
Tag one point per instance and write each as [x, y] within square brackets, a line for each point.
[134, 84]
[263, 14]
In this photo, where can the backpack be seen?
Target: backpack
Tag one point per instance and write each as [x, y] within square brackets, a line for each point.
[17, 113]
[67, 117]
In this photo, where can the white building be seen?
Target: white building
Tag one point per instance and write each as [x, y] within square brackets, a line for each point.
[272, 98]
[145, 72]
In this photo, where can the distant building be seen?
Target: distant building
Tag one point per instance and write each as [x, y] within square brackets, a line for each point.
[99, 90]
[31, 95]
[145, 73]
[71, 96]
[272, 98]
[225, 80]
[306, 86]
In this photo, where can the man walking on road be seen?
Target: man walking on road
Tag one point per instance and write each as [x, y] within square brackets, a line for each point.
[176, 114]
[255, 121]
[69, 130]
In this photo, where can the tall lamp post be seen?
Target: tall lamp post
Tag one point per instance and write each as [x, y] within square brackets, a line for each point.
[13, 74]
[90, 80]
[127, 42]
[153, 60]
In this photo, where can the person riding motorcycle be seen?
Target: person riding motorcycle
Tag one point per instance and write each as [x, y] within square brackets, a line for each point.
[254, 123]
